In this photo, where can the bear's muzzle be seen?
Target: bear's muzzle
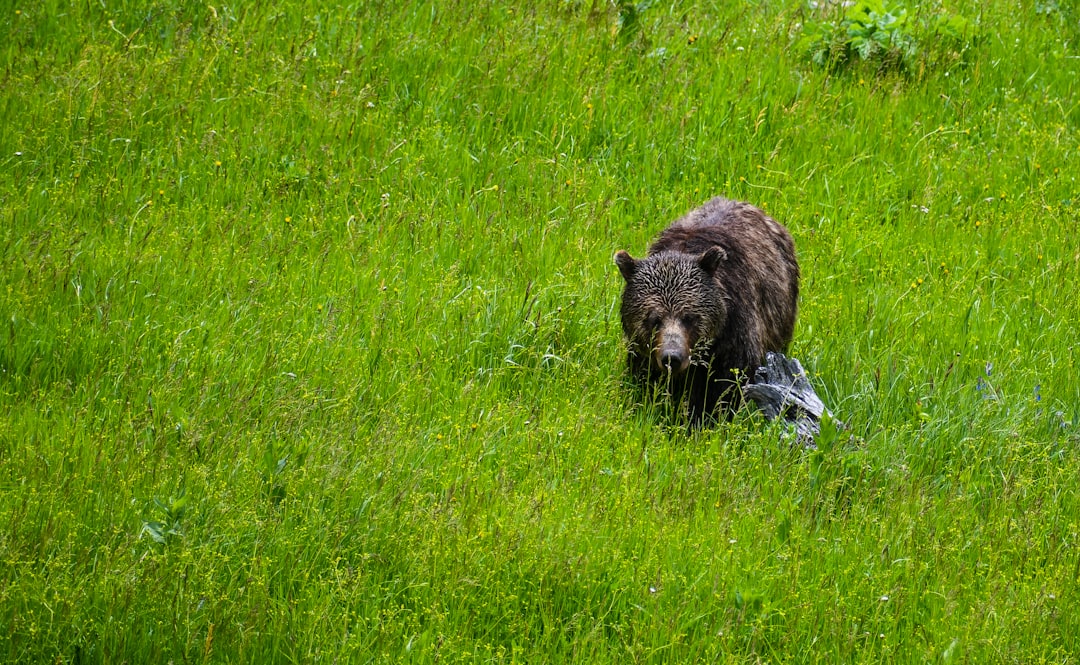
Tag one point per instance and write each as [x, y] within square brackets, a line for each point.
[671, 353]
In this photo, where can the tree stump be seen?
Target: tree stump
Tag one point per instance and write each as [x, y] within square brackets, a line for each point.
[780, 388]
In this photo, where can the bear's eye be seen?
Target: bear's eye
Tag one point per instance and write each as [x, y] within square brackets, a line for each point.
[652, 321]
[689, 320]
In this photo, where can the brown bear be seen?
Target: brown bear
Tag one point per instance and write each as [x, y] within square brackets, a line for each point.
[717, 291]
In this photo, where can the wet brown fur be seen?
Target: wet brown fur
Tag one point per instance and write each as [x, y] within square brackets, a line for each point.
[709, 315]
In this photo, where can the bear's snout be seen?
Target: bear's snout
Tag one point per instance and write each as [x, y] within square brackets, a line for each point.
[672, 350]
[673, 360]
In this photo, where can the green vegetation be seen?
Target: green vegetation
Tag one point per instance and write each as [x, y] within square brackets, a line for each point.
[883, 33]
[310, 350]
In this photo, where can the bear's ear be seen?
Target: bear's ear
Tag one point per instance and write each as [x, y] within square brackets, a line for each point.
[711, 259]
[627, 264]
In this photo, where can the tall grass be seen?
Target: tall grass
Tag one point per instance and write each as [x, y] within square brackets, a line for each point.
[310, 343]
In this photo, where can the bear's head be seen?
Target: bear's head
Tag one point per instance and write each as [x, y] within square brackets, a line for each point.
[672, 306]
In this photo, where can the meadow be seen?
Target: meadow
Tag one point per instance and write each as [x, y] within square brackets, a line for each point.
[310, 348]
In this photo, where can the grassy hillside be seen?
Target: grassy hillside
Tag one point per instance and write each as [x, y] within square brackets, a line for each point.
[310, 350]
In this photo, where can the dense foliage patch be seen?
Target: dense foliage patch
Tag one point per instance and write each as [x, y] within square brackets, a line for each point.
[885, 35]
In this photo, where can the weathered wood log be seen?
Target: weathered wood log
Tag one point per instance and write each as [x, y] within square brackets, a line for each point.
[780, 388]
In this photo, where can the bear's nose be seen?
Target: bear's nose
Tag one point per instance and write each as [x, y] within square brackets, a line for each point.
[672, 360]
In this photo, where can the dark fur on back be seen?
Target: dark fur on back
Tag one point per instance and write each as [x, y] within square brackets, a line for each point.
[718, 289]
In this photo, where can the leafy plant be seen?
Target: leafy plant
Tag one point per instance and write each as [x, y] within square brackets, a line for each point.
[168, 526]
[955, 28]
[274, 463]
[629, 14]
[880, 32]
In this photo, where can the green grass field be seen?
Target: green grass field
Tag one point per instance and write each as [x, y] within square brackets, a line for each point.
[310, 348]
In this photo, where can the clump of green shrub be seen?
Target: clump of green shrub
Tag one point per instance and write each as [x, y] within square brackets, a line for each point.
[883, 34]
